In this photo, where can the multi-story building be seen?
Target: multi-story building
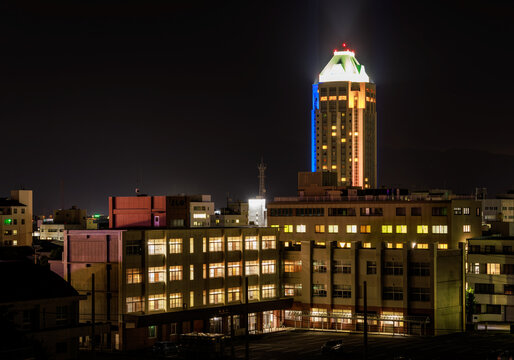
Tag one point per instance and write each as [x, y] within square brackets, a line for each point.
[344, 122]
[409, 249]
[16, 219]
[235, 214]
[490, 273]
[499, 209]
[160, 211]
[154, 283]
[72, 216]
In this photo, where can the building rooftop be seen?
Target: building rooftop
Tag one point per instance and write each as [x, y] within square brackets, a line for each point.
[10, 202]
[27, 281]
[343, 67]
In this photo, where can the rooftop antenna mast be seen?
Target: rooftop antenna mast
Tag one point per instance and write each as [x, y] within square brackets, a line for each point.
[262, 177]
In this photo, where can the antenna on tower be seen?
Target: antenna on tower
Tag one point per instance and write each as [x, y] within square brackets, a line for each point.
[262, 177]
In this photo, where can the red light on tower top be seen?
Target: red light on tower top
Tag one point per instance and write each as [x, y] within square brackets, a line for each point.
[344, 45]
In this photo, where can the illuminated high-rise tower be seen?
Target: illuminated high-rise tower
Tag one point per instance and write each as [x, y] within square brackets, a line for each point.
[344, 122]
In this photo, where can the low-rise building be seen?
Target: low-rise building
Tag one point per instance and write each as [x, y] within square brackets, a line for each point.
[155, 283]
[43, 313]
[16, 219]
[499, 209]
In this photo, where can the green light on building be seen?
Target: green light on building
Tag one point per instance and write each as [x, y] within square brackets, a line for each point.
[96, 216]
[8, 221]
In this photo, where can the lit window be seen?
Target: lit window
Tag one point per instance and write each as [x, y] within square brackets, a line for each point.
[399, 245]
[156, 274]
[156, 246]
[343, 140]
[389, 245]
[366, 245]
[493, 269]
[268, 266]
[268, 291]
[134, 276]
[233, 243]
[156, 302]
[200, 216]
[356, 159]
[191, 298]
[439, 229]
[333, 228]
[334, 167]
[288, 228]
[332, 98]
[234, 269]
[269, 242]
[333, 127]
[334, 133]
[343, 179]
[442, 246]
[387, 229]
[216, 270]
[234, 294]
[191, 245]
[466, 228]
[176, 300]
[323, 98]
[175, 246]
[251, 243]
[319, 228]
[325, 167]
[253, 292]
[342, 97]
[356, 134]
[191, 272]
[215, 244]
[401, 229]
[351, 229]
[466, 211]
[135, 304]
[292, 266]
[422, 246]
[252, 267]
[365, 229]
[301, 228]
[422, 229]
[292, 290]
[319, 243]
[344, 245]
[324, 147]
[175, 273]
[216, 296]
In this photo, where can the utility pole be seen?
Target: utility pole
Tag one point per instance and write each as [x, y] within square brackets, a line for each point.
[365, 321]
[247, 346]
[92, 312]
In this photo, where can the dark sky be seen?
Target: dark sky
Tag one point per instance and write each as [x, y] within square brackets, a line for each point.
[97, 99]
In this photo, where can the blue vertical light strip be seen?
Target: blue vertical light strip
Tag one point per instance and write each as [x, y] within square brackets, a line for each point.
[315, 106]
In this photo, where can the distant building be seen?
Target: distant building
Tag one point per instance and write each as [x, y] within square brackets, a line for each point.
[154, 284]
[43, 313]
[499, 209]
[344, 122]
[160, 211]
[490, 271]
[235, 214]
[72, 216]
[257, 212]
[97, 222]
[16, 219]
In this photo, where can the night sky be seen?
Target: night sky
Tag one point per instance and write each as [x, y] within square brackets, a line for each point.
[96, 100]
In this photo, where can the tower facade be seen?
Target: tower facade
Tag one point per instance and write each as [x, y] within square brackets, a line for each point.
[344, 122]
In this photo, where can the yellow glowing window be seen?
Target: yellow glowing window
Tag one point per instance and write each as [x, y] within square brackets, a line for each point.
[275, 226]
[356, 159]
[401, 229]
[334, 133]
[333, 127]
[343, 140]
[324, 147]
[323, 98]
[422, 229]
[319, 228]
[356, 134]
[351, 229]
[422, 246]
[350, 133]
[389, 245]
[344, 245]
[334, 167]
[366, 245]
[288, 228]
[332, 98]
[342, 97]
[343, 179]
[320, 243]
[399, 246]
[350, 159]
[387, 229]
[367, 98]
[366, 179]
[442, 246]
[325, 167]
[333, 228]
[365, 229]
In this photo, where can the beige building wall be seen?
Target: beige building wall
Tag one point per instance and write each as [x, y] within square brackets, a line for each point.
[16, 220]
